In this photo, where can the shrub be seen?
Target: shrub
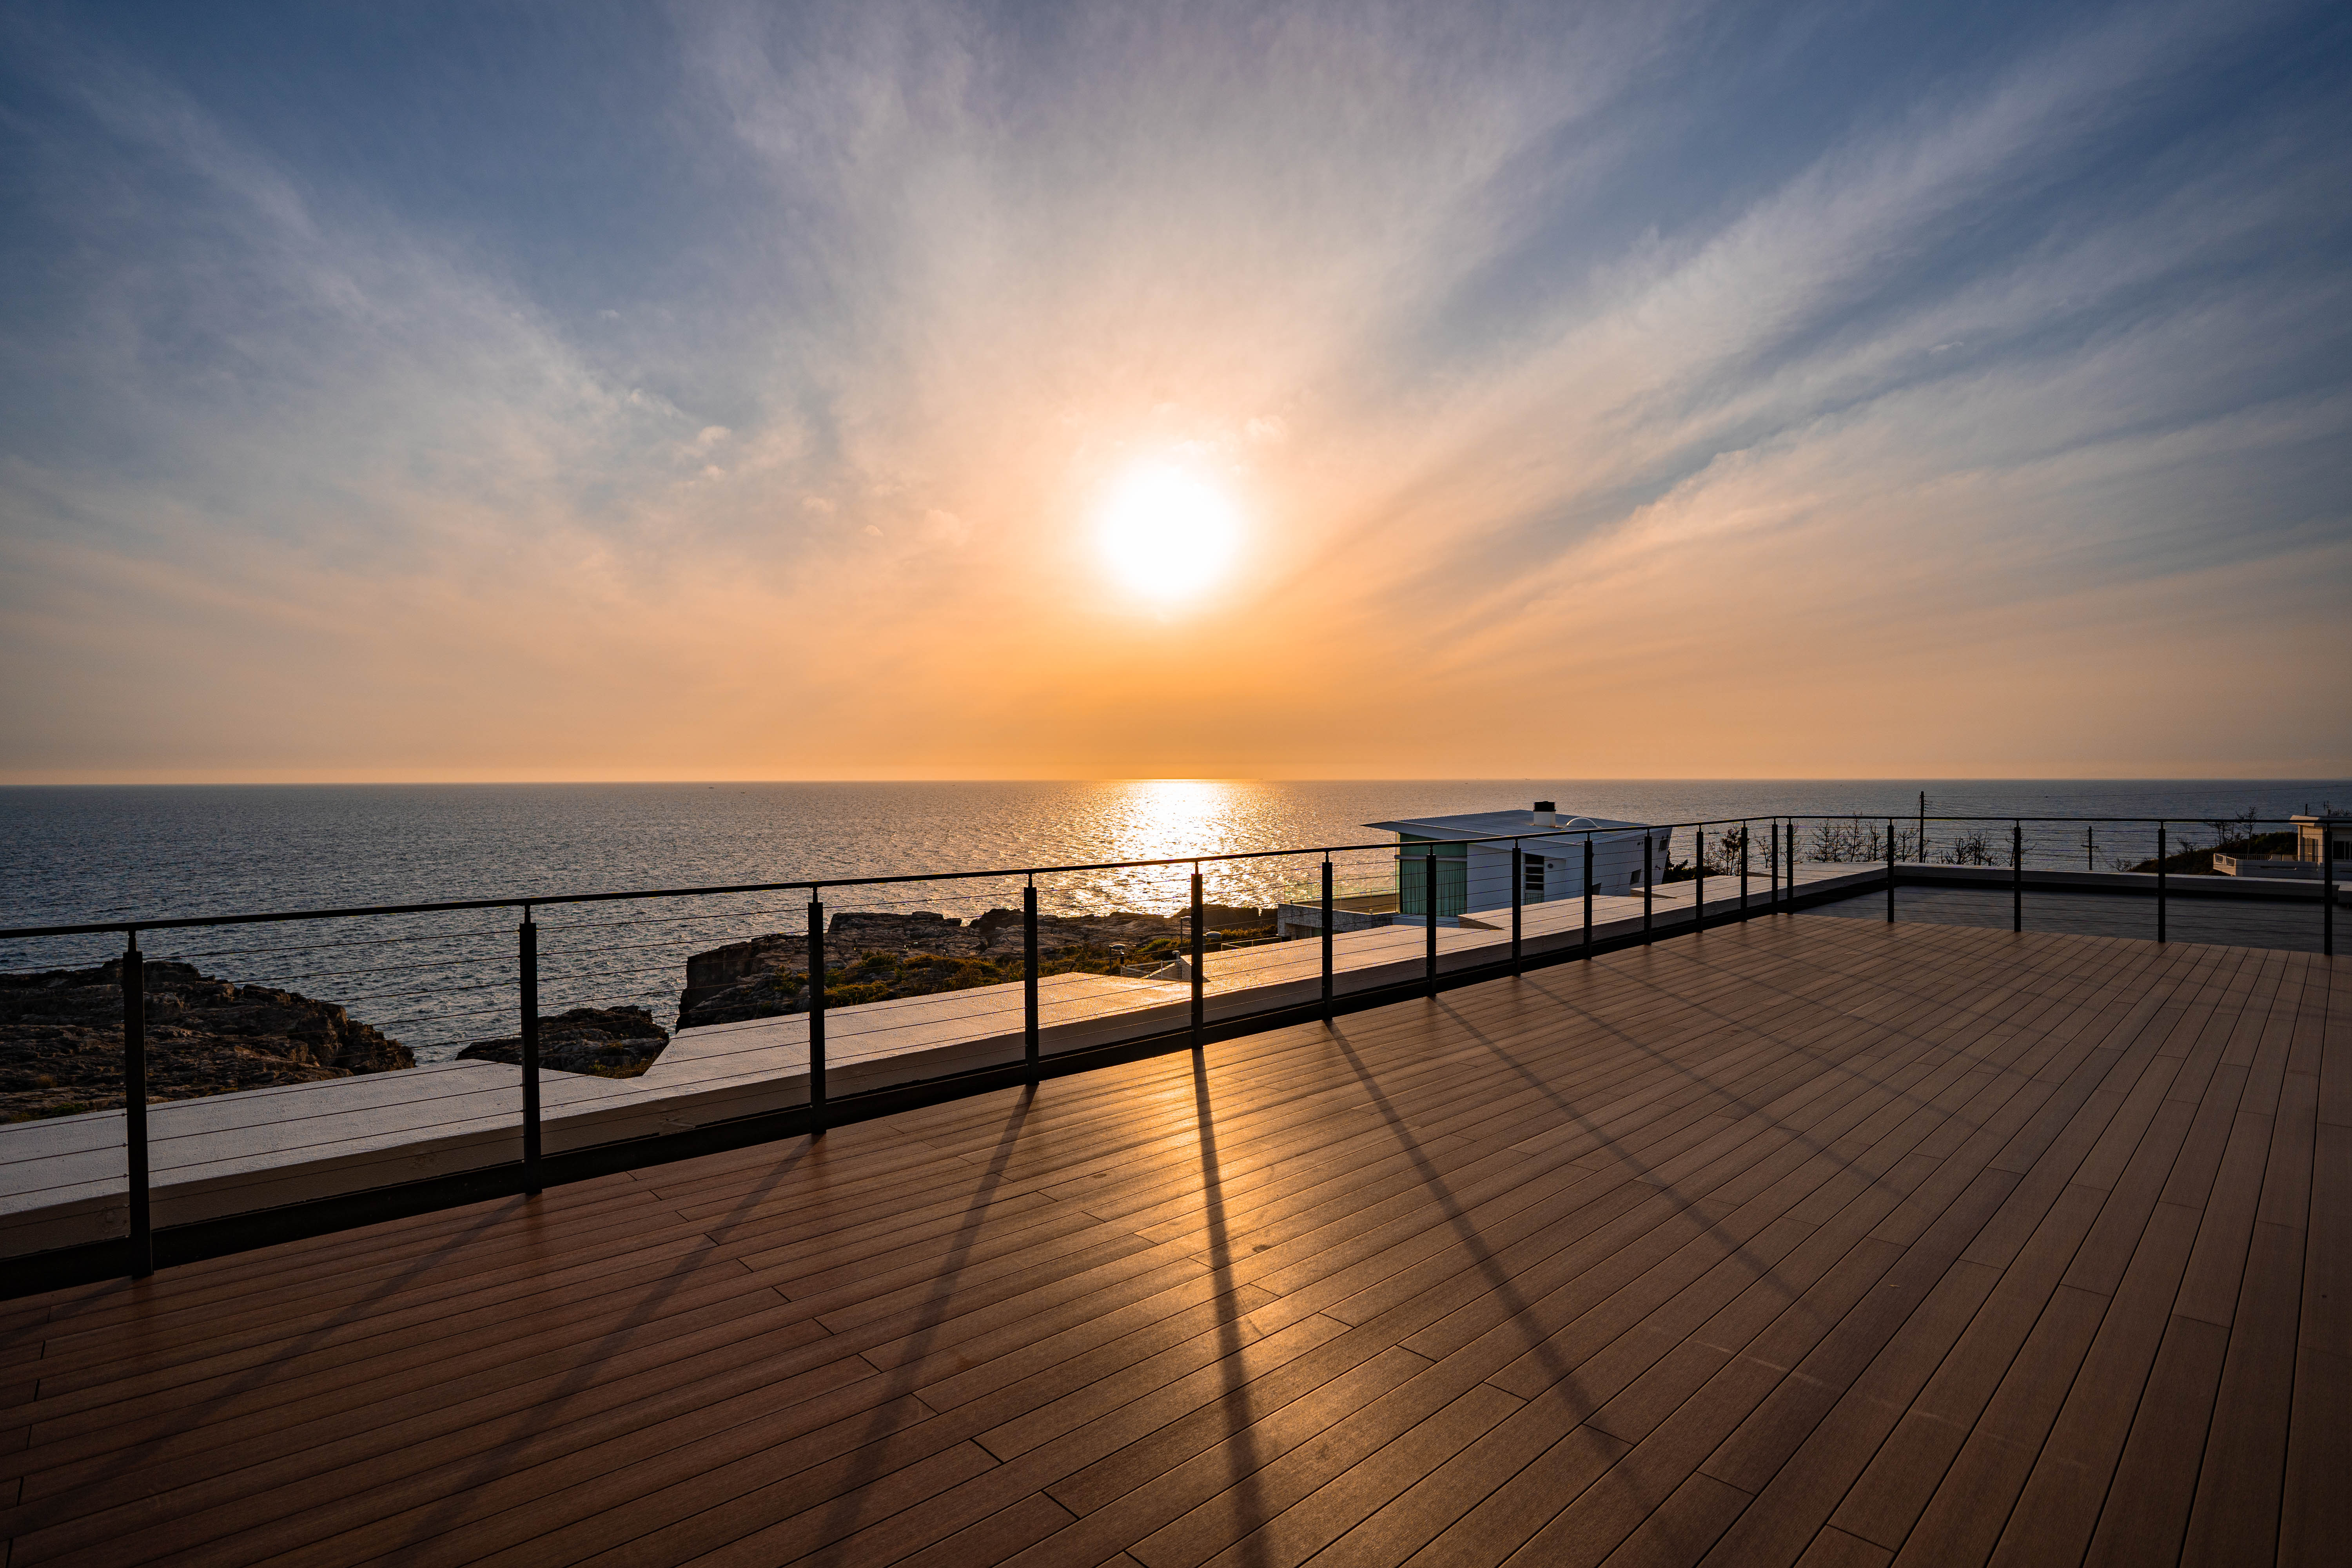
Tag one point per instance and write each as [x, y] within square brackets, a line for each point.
[1974, 849]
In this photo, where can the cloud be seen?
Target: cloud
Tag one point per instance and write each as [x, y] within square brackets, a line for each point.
[1601, 381]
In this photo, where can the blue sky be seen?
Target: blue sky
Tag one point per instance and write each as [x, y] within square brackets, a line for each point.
[601, 391]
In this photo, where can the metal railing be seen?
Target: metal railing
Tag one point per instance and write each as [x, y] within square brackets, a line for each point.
[443, 948]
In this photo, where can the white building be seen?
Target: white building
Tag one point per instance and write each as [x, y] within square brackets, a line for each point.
[2304, 863]
[1473, 877]
[2337, 826]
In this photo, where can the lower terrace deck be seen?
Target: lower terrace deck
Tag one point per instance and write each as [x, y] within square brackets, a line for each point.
[1804, 1239]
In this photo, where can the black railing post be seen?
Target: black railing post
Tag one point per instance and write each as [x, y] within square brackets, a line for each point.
[2016, 874]
[1029, 978]
[1743, 831]
[816, 1010]
[134, 1106]
[532, 1151]
[1327, 938]
[2160, 881]
[1890, 870]
[2090, 849]
[2328, 890]
[1773, 899]
[1792, 860]
[1649, 879]
[1429, 899]
[1698, 873]
[1588, 893]
[1518, 898]
[1200, 956]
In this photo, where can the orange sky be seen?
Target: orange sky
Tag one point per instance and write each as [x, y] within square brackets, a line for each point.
[1811, 468]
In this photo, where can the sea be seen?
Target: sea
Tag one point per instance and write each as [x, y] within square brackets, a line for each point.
[87, 854]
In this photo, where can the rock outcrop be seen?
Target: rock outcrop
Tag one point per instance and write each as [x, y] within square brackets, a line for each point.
[61, 1038]
[610, 1042]
[873, 957]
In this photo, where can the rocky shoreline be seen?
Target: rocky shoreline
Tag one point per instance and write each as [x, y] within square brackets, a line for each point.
[609, 1042]
[877, 957]
[61, 1038]
[61, 1030]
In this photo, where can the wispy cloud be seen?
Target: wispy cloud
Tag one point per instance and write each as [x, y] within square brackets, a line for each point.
[1631, 394]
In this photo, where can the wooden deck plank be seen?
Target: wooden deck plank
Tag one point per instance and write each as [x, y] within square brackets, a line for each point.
[2147, 1502]
[2063, 1211]
[1675, 1447]
[2235, 1511]
[1806, 1239]
[2060, 1503]
[1589, 1532]
[2316, 1513]
[1897, 1396]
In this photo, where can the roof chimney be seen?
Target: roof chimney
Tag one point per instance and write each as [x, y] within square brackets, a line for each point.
[1547, 805]
[1547, 814]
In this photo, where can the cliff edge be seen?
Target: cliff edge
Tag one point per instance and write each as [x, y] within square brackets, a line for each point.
[61, 1038]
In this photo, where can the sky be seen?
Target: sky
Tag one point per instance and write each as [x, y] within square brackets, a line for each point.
[573, 391]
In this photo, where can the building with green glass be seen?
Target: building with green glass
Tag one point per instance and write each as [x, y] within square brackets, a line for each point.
[1473, 858]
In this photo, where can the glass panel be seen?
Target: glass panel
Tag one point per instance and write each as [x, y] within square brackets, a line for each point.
[1413, 890]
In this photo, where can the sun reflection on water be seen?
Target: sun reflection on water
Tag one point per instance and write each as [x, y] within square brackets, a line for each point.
[1153, 819]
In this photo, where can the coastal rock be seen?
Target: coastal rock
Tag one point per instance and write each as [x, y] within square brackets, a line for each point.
[610, 1042]
[872, 957]
[61, 1038]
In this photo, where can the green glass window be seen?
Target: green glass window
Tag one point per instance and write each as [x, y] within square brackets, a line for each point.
[1413, 875]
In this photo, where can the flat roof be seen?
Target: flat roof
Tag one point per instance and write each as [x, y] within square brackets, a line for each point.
[1495, 823]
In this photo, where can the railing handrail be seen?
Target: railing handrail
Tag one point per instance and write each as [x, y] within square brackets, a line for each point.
[141, 1237]
[814, 885]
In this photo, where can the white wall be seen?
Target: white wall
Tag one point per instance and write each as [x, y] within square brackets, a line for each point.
[1490, 877]
[1616, 866]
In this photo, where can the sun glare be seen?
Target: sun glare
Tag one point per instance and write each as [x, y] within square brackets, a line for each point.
[1168, 535]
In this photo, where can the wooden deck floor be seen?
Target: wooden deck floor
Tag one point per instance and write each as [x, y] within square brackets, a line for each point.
[1808, 1240]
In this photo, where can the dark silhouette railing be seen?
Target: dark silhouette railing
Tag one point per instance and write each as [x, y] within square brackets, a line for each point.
[1838, 839]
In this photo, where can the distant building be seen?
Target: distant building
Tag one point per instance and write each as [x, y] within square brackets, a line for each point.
[2304, 862]
[1479, 876]
[2307, 830]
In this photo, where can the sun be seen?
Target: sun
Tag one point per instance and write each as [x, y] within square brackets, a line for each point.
[1166, 534]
